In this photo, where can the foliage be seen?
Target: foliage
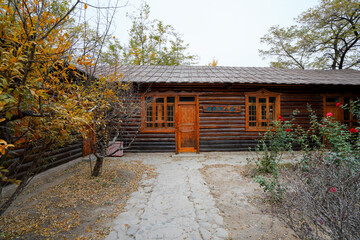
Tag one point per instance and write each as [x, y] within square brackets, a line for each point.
[76, 206]
[318, 198]
[151, 42]
[39, 105]
[326, 37]
[111, 102]
[213, 63]
[323, 197]
[273, 145]
[270, 150]
[45, 101]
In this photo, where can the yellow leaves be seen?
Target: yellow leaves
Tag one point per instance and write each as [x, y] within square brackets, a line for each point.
[56, 211]
[6, 8]
[6, 179]
[85, 61]
[13, 59]
[85, 6]
[4, 146]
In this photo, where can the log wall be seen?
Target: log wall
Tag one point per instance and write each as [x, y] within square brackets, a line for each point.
[226, 131]
[50, 159]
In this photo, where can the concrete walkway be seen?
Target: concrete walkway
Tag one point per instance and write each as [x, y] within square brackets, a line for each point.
[175, 205]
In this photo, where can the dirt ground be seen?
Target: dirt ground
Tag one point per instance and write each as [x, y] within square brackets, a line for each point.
[240, 201]
[73, 205]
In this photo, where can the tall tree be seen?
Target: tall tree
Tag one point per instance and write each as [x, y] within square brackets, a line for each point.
[326, 37]
[151, 42]
[43, 99]
[37, 98]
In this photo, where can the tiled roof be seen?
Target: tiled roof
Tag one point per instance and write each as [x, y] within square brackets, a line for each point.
[217, 74]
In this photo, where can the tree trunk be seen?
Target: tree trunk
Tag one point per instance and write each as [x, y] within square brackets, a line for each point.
[17, 192]
[98, 165]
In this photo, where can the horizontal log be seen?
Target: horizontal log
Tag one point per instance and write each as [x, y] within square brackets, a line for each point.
[224, 138]
[158, 144]
[222, 133]
[51, 158]
[149, 135]
[225, 97]
[220, 102]
[204, 114]
[40, 169]
[222, 122]
[151, 150]
[223, 126]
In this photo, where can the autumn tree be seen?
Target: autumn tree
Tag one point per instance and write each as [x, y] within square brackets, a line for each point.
[213, 63]
[39, 108]
[325, 37]
[107, 99]
[151, 42]
[111, 101]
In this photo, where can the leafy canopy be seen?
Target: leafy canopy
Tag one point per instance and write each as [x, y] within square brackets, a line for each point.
[151, 42]
[326, 37]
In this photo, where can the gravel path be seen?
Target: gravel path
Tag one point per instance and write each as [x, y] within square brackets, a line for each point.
[175, 205]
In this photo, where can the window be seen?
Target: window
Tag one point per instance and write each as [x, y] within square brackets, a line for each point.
[339, 113]
[262, 108]
[187, 99]
[159, 113]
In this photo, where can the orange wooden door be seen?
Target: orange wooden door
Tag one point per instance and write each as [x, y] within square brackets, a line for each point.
[187, 128]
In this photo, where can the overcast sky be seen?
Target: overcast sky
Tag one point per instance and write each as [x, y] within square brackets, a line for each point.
[229, 30]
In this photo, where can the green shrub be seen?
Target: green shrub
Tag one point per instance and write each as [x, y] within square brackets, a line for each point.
[320, 197]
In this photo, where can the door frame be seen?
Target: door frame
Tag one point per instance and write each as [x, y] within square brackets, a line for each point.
[177, 121]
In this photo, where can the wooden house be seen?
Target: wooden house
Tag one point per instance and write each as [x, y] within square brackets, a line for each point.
[202, 108]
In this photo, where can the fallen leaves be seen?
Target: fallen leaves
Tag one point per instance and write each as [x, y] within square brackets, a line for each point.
[79, 206]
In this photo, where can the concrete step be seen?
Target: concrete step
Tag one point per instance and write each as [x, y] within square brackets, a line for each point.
[188, 155]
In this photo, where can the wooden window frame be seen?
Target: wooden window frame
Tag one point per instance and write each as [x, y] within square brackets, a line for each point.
[262, 93]
[352, 122]
[144, 104]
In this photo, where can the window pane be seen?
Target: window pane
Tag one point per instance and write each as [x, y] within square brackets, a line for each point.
[159, 112]
[149, 113]
[187, 99]
[252, 99]
[170, 99]
[346, 115]
[332, 99]
[271, 112]
[263, 112]
[170, 113]
[252, 113]
[262, 100]
[160, 100]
